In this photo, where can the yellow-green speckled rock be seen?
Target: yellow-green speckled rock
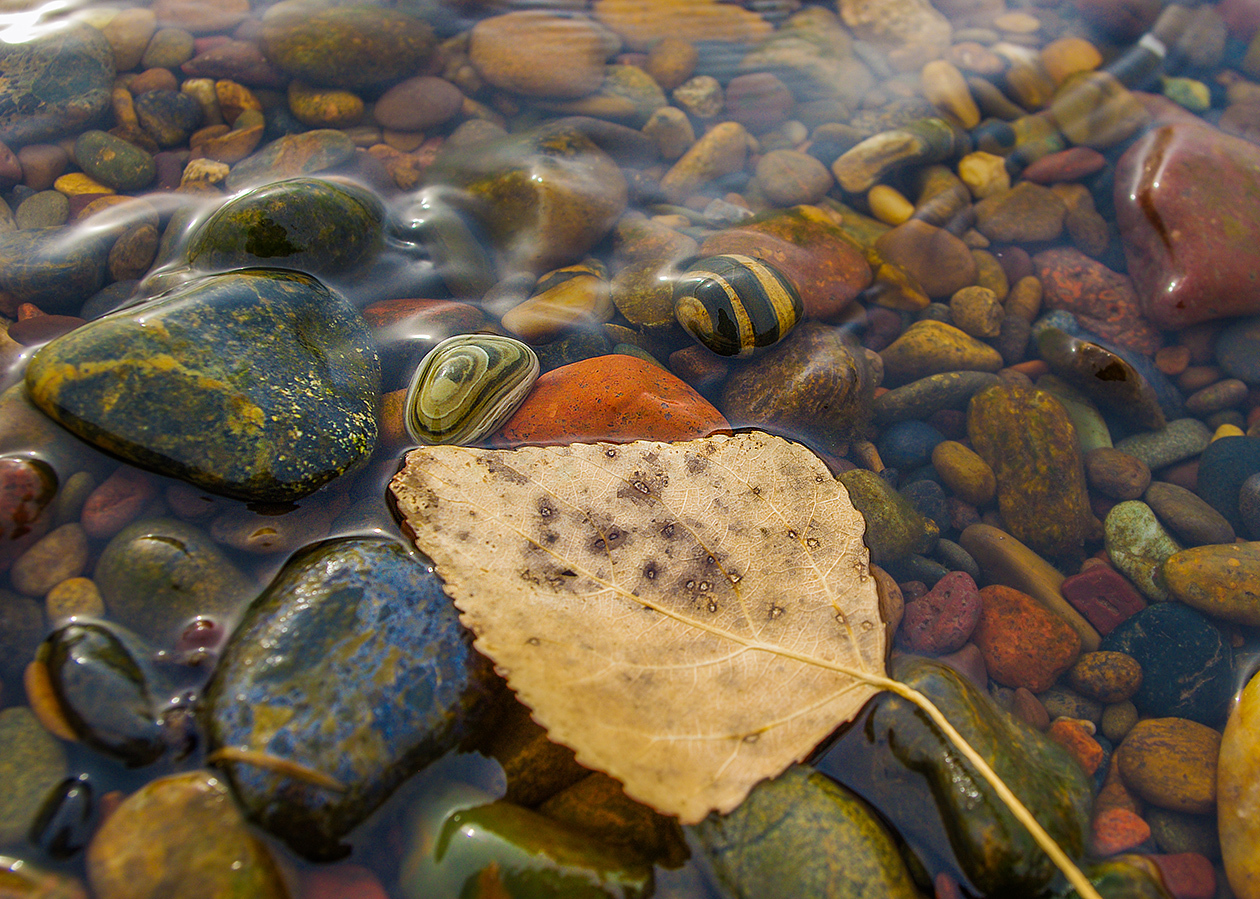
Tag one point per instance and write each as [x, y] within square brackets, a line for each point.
[1222, 581]
[894, 527]
[802, 834]
[931, 347]
[1028, 439]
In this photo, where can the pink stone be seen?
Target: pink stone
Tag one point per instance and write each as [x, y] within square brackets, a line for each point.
[1190, 240]
[27, 486]
[1066, 165]
[1103, 595]
[117, 502]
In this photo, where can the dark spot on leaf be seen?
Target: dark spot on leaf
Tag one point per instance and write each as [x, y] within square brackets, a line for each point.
[610, 453]
[695, 464]
[494, 464]
[751, 738]
[813, 543]
[550, 537]
[463, 536]
[533, 641]
[668, 530]
[650, 570]
[756, 491]
[792, 534]
[545, 508]
[712, 606]
[775, 611]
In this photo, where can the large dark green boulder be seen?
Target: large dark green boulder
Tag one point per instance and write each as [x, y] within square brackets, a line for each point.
[349, 673]
[259, 384]
[955, 822]
[802, 834]
[307, 224]
[53, 85]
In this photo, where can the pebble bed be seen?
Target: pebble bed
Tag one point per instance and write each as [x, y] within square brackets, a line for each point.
[993, 261]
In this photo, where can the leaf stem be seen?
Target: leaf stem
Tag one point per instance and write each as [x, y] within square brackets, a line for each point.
[1065, 864]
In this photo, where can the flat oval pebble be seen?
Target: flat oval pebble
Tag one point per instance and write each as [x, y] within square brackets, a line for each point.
[1177, 441]
[1171, 763]
[1117, 474]
[964, 472]
[467, 386]
[1221, 581]
[1189, 518]
[919, 399]
[617, 398]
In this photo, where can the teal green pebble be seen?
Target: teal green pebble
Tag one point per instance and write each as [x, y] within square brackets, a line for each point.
[467, 386]
[736, 305]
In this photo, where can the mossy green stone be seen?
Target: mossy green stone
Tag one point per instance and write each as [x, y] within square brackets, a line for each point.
[259, 384]
[347, 46]
[894, 528]
[802, 834]
[113, 161]
[307, 224]
[51, 86]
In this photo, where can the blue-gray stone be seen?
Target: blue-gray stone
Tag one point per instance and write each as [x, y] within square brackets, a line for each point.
[351, 665]
[908, 444]
[1224, 467]
[1187, 665]
[50, 87]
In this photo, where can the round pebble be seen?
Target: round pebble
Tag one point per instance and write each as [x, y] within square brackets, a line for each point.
[976, 311]
[790, 178]
[1171, 763]
[75, 597]
[60, 554]
[1108, 677]
[964, 472]
[418, 103]
[1116, 474]
[1117, 720]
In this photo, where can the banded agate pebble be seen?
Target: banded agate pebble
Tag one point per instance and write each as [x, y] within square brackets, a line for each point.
[735, 304]
[467, 386]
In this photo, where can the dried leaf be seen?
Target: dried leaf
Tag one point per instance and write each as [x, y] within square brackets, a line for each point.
[687, 617]
[690, 618]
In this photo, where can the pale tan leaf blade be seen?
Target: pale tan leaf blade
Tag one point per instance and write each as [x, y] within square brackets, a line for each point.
[681, 615]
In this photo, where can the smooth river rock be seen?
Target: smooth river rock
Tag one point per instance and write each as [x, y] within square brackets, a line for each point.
[260, 384]
[1238, 792]
[53, 85]
[346, 676]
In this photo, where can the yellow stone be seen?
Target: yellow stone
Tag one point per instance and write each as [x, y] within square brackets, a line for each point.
[642, 22]
[1238, 795]
[76, 597]
[1069, 55]
[1017, 23]
[547, 315]
[946, 88]
[1228, 430]
[1221, 581]
[889, 205]
[929, 347]
[984, 174]
[77, 183]
[319, 107]
[723, 150]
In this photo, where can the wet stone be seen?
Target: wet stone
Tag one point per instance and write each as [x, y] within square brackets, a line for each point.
[1238, 349]
[1179, 440]
[1116, 473]
[894, 528]
[378, 680]
[1103, 376]
[113, 161]
[182, 828]
[1023, 643]
[57, 269]
[538, 54]
[103, 694]
[273, 389]
[1171, 763]
[1224, 467]
[1104, 596]
[157, 574]
[60, 554]
[1103, 300]
[1027, 438]
[785, 837]
[418, 103]
[311, 225]
[347, 46]
[1190, 519]
[1187, 667]
[932, 347]
[814, 385]
[1138, 545]
[920, 399]
[1221, 581]
[942, 621]
[53, 85]
[929, 792]
[291, 156]
[27, 487]
[32, 762]
[1108, 677]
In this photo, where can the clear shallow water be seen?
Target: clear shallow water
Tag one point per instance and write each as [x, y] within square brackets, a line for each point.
[354, 504]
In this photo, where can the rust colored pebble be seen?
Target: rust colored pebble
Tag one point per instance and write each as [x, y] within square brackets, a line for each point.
[390, 420]
[1171, 763]
[1107, 677]
[1066, 165]
[117, 502]
[1116, 830]
[617, 398]
[1033, 368]
[1106, 301]
[1079, 743]
[1103, 595]
[1196, 377]
[1187, 875]
[1023, 643]
[1114, 793]
[946, 887]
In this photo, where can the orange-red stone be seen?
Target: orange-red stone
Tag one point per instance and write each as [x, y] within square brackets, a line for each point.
[615, 398]
[1079, 743]
[1023, 643]
[1116, 830]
